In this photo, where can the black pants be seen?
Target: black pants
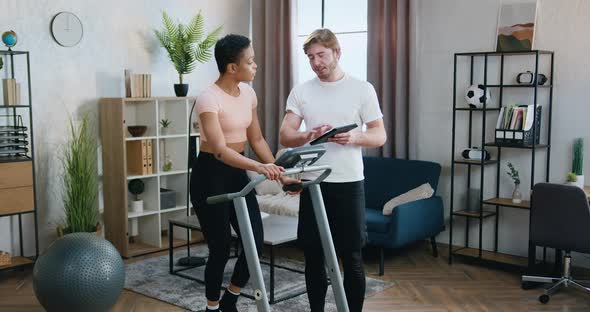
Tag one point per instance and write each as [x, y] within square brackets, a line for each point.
[212, 177]
[345, 208]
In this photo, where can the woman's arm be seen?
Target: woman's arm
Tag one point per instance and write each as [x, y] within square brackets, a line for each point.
[261, 148]
[212, 129]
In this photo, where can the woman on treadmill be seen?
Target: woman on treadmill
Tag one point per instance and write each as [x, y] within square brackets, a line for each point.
[227, 115]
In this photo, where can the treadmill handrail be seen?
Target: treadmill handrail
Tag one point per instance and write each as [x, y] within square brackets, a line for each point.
[217, 199]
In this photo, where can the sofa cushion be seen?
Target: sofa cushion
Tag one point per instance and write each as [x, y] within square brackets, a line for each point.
[386, 178]
[376, 221]
[421, 192]
[280, 204]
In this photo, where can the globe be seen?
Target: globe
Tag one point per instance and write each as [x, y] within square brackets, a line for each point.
[9, 38]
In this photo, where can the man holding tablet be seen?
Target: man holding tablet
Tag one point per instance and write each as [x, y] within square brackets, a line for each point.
[334, 99]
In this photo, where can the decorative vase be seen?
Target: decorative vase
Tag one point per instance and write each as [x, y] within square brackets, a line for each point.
[134, 227]
[137, 206]
[579, 181]
[180, 89]
[516, 195]
[473, 203]
[167, 164]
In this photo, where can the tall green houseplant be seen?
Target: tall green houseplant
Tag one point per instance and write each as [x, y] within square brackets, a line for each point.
[578, 159]
[80, 179]
[185, 46]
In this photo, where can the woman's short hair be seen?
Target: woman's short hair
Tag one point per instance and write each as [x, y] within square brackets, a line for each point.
[229, 50]
[324, 37]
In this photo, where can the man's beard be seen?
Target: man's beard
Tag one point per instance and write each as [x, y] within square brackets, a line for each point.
[329, 69]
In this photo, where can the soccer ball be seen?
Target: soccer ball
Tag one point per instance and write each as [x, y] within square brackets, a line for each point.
[475, 96]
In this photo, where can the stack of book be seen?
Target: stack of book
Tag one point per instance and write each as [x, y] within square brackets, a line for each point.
[138, 85]
[515, 124]
[140, 157]
[11, 92]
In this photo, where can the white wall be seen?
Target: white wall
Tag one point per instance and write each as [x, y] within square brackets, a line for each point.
[68, 81]
[442, 28]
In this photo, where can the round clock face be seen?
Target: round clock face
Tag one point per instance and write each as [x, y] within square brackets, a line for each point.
[66, 29]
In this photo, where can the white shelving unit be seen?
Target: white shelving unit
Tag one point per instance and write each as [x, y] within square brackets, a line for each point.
[116, 114]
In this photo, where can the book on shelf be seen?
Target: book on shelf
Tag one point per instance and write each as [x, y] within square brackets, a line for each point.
[149, 153]
[516, 117]
[139, 157]
[515, 125]
[9, 91]
[138, 85]
[17, 94]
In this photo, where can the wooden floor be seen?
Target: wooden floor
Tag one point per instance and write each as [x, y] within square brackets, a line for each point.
[423, 283]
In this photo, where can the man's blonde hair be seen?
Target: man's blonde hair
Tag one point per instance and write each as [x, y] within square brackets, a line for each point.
[324, 37]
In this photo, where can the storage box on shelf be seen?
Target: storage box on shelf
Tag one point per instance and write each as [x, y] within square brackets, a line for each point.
[17, 157]
[163, 151]
[523, 139]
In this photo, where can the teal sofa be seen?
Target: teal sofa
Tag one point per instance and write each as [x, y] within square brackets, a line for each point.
[423, 219]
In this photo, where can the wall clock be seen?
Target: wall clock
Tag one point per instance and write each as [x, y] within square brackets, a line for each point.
[66, 29]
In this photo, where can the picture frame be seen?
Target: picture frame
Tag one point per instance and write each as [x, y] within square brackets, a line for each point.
[516, 26]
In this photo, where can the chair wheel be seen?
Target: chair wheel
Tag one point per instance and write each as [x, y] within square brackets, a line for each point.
[544, 299]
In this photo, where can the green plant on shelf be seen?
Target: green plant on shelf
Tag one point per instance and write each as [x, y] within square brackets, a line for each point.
[578, 159]
[167, 163]
[185, 43]
[136, 187]
[1, 63]
[513, 173]
[572, 177]
[165, 123]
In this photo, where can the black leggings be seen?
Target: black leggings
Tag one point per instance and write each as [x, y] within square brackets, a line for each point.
[345, 208]
[212, 177]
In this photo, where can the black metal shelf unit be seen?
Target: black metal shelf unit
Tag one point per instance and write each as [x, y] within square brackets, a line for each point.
[493, 204]
[17, 148]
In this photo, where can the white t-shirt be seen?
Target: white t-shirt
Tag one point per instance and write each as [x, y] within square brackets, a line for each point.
[346, 101]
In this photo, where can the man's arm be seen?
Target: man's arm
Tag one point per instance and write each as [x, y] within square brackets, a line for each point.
[290, 136]
[374, 136]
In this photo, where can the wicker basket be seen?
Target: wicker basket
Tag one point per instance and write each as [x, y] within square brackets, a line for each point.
[5, 259]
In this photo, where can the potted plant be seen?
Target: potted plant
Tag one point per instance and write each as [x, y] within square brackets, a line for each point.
[571, 178]
[165, 124]
[80, 180]
[185, 47]
[167, 165]
[578, 161]
[136, 187]
[513, 173]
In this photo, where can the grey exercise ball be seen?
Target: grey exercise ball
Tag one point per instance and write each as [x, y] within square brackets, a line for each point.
[79, 272]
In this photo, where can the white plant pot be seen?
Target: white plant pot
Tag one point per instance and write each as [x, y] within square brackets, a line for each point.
[134, 228]
[137, 206]
[580, 181]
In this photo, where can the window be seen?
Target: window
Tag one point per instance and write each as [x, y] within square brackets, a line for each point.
[348, 20]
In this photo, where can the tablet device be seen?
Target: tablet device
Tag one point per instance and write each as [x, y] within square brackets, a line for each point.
[334, 131]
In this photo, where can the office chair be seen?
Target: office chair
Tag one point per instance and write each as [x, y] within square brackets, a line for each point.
[560, 216]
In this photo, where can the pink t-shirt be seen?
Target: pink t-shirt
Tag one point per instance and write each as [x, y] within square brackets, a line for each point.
[234, 112]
